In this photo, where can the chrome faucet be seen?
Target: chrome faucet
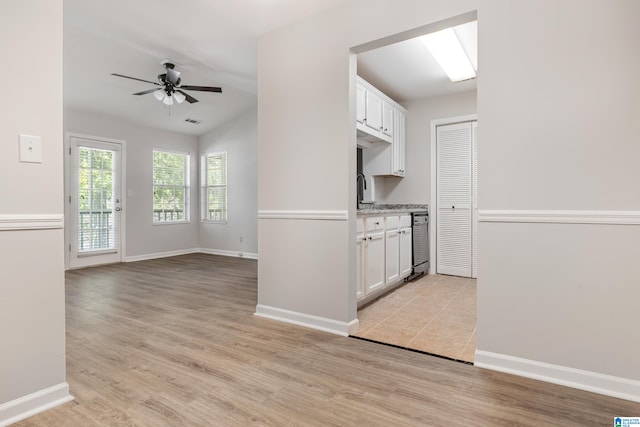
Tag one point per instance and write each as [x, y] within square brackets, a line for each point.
[360, 194]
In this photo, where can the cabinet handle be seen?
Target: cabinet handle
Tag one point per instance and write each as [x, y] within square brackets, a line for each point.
[377, 223]
[370, 238]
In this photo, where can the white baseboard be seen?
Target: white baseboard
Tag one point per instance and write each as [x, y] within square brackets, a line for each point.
[608, 385]
[161, 255]
[34, 403]
[249, 255]
[307, 320]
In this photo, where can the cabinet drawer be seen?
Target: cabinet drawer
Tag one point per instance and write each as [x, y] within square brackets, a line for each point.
[374, 223]
[405, 221]
[392, 222]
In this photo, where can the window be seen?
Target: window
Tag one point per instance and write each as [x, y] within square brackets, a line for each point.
[170, 187]
[214, 187]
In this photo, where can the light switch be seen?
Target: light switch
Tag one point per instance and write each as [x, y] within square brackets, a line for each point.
[30, 149]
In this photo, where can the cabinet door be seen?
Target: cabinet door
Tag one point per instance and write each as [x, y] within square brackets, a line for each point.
[406, 252]
[387, 118]
[399, 143]
[392, 256]
[360, 273]
[361, 112]
[374, 261]
[374, 111]
[454, 225]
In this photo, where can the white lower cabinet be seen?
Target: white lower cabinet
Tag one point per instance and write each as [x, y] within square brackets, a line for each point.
[384, 252]
[360, 266]
[392, 249]
[406, 252]
[374, 262]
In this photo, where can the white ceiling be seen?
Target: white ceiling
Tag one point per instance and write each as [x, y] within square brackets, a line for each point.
[212, 42]
[406, 71]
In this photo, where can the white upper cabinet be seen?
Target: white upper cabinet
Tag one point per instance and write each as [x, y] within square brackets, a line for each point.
[361, 95]
[380, 119]
[387, 118]
[375, 113]
[373, 109]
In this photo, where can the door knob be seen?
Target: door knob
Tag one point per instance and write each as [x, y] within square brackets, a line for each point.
[118, 209]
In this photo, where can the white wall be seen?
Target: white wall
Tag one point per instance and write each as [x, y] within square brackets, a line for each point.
[558, 106]
[415, 187]
[32, 343]
[142, 237]
[239, 138]
[306, 156]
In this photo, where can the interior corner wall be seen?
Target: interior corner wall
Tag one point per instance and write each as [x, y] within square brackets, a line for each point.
[307, 155]
[415, 187]
[32, 320]
[143, 239]
[239, 139]
[558, 109]
[558, 132]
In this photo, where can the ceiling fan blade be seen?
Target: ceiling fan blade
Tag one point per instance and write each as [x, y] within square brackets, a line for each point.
[134, 78]
[144, 92]
[173, 76]
[202, 88]
[190, 99]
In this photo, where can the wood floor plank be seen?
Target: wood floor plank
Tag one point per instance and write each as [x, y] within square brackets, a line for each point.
[173, 342]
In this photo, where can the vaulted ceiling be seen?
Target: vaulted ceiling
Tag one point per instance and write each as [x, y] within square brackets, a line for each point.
[212, 43]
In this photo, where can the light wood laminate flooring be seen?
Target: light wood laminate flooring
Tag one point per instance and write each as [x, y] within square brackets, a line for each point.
[435, 314]
[173, 342]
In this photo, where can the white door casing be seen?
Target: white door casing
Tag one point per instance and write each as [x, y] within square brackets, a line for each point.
[94, 202]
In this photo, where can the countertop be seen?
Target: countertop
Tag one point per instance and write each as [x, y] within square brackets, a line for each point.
[384, 209]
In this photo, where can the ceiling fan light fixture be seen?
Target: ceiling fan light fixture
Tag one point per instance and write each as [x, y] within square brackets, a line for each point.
[446, 49]
[168, 100]
[159, 94]
[179, 97]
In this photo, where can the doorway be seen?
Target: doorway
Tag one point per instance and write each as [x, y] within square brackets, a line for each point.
[94, 203]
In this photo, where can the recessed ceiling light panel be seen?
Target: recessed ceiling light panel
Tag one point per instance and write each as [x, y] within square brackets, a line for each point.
[446, 49]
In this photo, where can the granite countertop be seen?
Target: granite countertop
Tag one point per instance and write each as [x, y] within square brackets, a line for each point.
[378, 208]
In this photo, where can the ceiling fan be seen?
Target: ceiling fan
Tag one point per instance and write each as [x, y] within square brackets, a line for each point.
[170, 86]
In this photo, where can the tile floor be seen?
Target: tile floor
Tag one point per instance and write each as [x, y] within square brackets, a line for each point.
[435, 313]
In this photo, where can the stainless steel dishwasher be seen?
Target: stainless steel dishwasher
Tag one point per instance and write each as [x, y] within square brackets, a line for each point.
[420, 232]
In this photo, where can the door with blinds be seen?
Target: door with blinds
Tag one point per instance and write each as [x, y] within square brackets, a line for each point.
[95, 202]
[455, 227]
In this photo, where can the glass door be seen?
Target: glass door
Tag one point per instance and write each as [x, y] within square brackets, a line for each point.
[95, 202]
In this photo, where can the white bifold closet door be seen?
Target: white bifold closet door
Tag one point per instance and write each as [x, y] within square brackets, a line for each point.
[455, 196]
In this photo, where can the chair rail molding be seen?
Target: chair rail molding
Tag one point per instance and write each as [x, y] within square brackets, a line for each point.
[9, 222]
[606, 217]
[318, 215]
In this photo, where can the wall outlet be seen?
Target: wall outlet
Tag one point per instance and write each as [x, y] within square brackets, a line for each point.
[30, 149]
[241, 239]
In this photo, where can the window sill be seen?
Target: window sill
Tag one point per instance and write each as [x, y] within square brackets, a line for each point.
[207, 221]
[171, 222]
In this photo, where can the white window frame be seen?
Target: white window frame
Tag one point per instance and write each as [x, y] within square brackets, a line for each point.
[204, 182]
[186, 187]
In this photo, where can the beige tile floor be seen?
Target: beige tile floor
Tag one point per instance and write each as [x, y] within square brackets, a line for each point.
[435, 313]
